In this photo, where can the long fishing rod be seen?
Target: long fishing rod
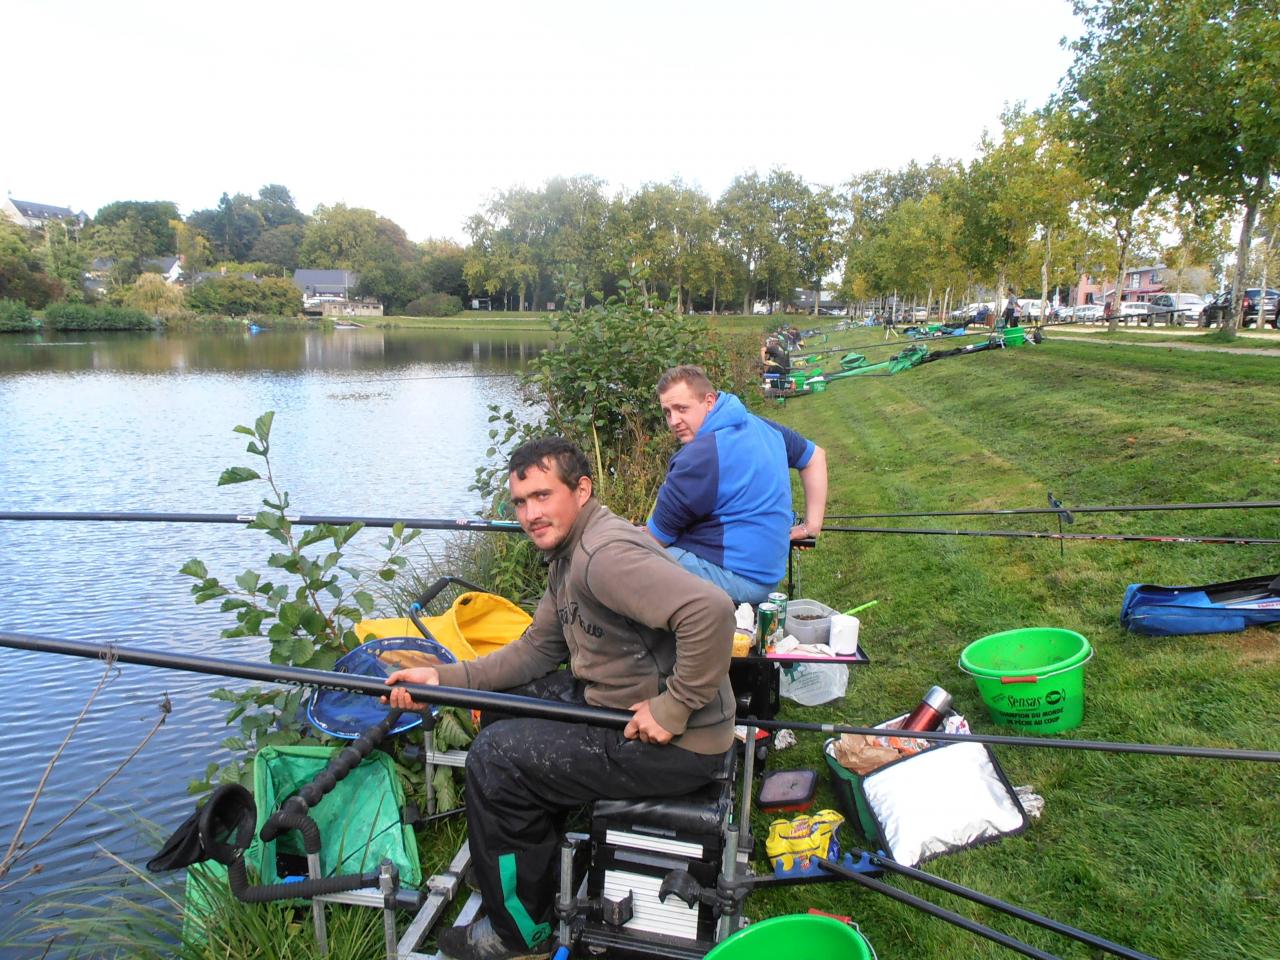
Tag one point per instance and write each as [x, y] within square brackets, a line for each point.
[884, 345]
[305, 520]
[510, 526]
[1045, 535]
[544, 709]
[1020, 913]
[1128, 508]
[924, 906]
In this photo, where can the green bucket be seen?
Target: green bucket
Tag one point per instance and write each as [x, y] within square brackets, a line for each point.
[816, 937]
[1031, 679]
[1015, 336]
[817, 386]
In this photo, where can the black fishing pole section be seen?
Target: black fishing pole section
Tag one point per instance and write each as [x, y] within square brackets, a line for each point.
[542, 709]
[305, 520]
[1020, 913]
[1046, 535]
[1127, 508]
[924, 906]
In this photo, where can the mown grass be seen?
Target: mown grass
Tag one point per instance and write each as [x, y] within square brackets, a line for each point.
[1252, 339]
[1175, 857]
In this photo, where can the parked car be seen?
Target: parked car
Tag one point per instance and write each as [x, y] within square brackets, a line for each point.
[1030, 308]
[1218, 309]
[1135, 309]
[1181, 307]
[1086, 313]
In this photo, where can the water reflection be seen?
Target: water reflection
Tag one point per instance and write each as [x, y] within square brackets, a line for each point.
[368, 422]
[365, 349]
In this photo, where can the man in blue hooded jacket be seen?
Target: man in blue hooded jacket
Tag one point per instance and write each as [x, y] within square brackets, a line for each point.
[724, 511]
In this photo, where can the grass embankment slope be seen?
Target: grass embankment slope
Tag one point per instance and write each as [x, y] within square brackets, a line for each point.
[1176, 857]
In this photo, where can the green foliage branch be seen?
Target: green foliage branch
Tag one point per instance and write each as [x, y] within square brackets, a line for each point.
[307, 607]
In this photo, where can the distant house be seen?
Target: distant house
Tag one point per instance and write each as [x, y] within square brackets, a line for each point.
[1139, 284]
[168, 267]
[333, 293]
[27, 214]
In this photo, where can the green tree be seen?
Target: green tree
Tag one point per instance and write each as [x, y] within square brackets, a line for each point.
[22, 275]
[1179, 96]
[276, 206]
[192, 246]
[279, 245]
[233, 226]
[125, 243]
[154, 218]
[374, 247]
[152, 295]
[746, 221]
[441, 267]
[64, 259]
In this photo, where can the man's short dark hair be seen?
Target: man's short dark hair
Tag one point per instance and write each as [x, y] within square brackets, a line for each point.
[571, 465]
[694, 376]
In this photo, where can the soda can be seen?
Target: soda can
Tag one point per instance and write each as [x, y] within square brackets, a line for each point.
[781, 600]
[766, 624]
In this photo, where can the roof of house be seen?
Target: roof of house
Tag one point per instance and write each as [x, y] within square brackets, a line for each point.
[163, 264]
[221, 275]
[325, 278]
[42, 211]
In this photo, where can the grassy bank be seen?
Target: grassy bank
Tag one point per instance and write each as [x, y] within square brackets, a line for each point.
[1174, 857]
[1252, 339]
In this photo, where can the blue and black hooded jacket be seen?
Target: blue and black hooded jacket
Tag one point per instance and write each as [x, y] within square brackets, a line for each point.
[727, 496]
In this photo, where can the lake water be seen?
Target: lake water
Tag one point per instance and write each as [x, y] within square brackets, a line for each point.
[367, 422]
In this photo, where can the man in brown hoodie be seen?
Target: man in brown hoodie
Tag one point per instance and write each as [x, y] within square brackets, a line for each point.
[638, 633]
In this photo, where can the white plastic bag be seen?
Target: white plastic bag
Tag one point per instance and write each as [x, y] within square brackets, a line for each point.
[810, 684]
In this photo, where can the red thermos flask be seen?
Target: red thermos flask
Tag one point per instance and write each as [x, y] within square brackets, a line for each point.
[929, 712]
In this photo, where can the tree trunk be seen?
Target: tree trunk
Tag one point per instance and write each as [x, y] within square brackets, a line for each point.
[1044, 273]
[746, 297]
[1236, 321]
[1262, 294]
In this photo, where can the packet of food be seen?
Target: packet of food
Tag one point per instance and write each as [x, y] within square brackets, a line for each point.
[862, 754]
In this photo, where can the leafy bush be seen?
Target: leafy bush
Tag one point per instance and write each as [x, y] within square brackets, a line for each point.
[596, 387]
[15, 317]
[236, 296]
[434, 305]
[84, 316]
[152, 295]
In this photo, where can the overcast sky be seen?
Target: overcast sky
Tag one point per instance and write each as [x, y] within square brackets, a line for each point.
[422, 111]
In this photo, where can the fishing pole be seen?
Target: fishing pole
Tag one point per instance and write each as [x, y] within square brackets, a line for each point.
[1046, 535]
[1020, 913]
[1127, 508]
[924, 906]
[544, 709]
[306, 520]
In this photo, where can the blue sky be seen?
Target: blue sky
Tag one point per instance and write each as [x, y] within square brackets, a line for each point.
[422, 111]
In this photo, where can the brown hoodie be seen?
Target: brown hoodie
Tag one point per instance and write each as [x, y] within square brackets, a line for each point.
[633, 624]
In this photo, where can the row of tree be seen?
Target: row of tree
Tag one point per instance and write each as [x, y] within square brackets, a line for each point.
[266, 235]
[1163, 133]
